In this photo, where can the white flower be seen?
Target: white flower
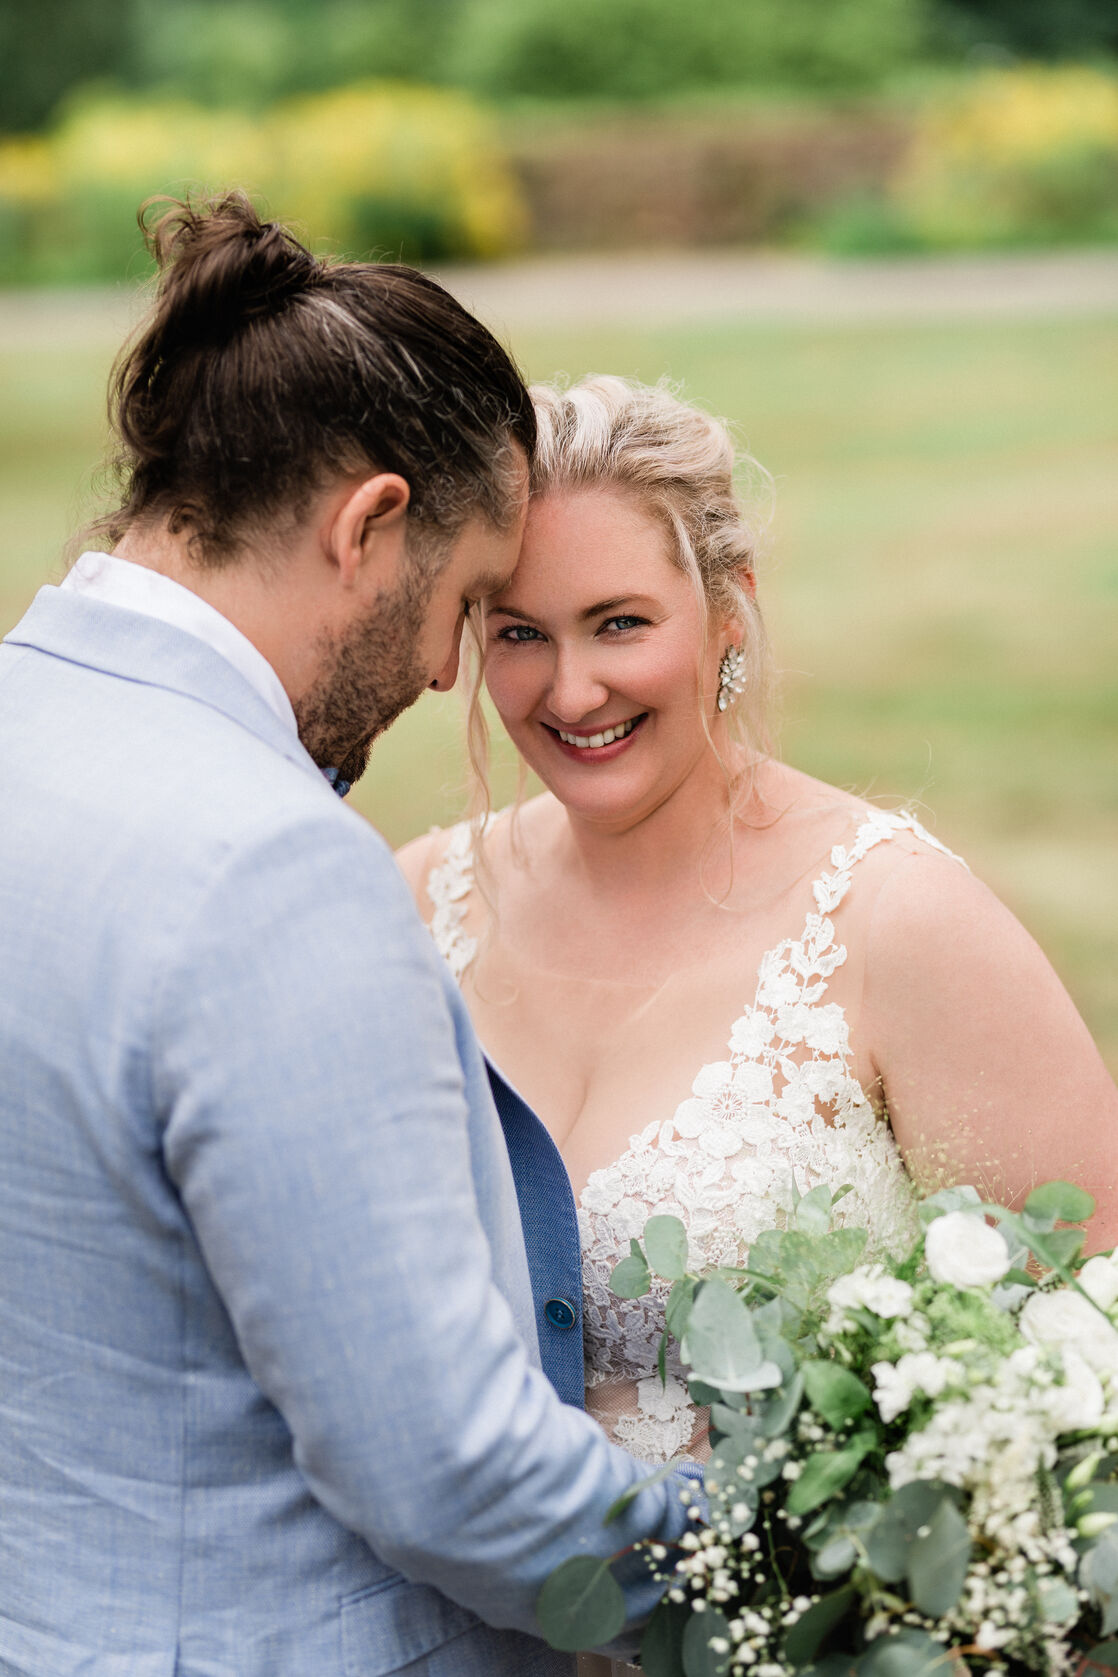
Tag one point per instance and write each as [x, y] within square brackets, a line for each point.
[896, 1384]
[964, 1251]
[869, 1288]
[1099, 1279]
[1078, 1403]
[1066, 1321]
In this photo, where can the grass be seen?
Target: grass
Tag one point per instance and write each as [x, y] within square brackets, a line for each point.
[940, 579]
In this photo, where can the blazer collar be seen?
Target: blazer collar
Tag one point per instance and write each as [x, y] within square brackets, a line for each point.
[138, 648]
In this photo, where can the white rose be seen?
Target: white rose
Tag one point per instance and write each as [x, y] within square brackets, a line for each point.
[1068, 1322]
[964, 1251]
[1078, 1403]
[1099, 1279]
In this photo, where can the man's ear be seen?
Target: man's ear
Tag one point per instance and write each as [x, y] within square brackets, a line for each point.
[366, 526]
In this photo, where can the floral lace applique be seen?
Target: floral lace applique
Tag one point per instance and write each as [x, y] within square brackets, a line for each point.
[448, 886]
[783, 1112]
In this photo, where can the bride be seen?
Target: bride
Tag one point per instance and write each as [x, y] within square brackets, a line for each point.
[712, 976]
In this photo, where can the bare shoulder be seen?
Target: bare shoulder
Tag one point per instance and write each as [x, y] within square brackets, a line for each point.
[937, 930]
[418, 858]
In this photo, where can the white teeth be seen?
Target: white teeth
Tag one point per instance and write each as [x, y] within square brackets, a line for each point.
[592, 742]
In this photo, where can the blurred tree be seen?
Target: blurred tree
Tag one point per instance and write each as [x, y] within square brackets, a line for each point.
[1034, 28]
[48, 47]
[642, 48]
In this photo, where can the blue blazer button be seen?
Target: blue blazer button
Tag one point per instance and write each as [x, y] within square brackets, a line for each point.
[559, 1313]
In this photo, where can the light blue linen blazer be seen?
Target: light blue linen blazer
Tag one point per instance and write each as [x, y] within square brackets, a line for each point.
[270, 1402]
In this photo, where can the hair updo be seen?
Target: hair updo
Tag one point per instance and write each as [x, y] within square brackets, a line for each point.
[263, 373]
[677, 463]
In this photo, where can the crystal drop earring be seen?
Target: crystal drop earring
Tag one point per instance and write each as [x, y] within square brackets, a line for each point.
[731, 676]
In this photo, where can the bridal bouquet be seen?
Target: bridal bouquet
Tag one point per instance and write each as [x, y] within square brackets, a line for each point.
[915, 1463]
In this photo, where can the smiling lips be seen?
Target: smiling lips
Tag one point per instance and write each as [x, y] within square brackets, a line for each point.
[596, 746]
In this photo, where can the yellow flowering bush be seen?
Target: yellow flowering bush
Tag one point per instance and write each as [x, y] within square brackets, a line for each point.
[1014, 156]
[376, 167]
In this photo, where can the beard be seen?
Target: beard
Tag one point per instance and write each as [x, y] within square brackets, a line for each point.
[369, 677]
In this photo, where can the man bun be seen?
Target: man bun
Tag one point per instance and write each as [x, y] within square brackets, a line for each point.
[262, 374]
[223, 265]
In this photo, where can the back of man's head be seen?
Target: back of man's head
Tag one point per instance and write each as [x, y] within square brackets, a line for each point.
[263, 374]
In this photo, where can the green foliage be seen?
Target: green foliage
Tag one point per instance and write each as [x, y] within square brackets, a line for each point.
[581, 1604]
[665, 1242]
[631, 1278]
[835, 1393]
[700, 1659]
[1008, 157]
[1057, 1202]
[721, 1343]
[938, 1560]
[371, 167]
[662, 1642]
[643, 48]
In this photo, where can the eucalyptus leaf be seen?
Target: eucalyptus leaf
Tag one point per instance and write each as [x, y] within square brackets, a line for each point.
[702, 1394]
[662, 1642]
[938, 1559]
[812, 1628]
[834, 1392]
[799, 1255]
[699, 1658]
[665, 1246]
[1058, 1202]
[678, 1310]
[726, 1490]
[910, 1653]
[1098, 1574]
[721, 1345]
[631, 1278]
[834, 1558]
[1065, 1245]
[907, 1511]
[827, 1471]
[581, 1604]
[777, 1411]
[947, 1199]
[766, 1253]
[735, 1423]
[1104, 1654]
[1058, 1601]
[838, 1252]
[813, 1214]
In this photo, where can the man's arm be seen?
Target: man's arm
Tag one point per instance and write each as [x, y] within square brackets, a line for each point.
[317, 1130]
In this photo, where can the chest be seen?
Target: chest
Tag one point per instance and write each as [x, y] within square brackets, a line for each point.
[602, 1049]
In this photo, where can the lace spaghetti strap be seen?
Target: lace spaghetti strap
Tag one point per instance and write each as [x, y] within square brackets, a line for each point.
[449, 884]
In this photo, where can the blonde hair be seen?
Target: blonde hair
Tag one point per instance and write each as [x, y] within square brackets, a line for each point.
[678, 464]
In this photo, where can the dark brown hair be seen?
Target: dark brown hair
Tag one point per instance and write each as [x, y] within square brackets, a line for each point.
[263, 373]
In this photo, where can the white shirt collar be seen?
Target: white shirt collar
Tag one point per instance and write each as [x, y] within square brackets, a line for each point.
[120, 582]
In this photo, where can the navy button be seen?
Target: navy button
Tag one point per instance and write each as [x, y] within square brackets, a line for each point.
[559, 1313]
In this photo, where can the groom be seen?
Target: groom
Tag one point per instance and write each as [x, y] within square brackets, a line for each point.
[270, 1391]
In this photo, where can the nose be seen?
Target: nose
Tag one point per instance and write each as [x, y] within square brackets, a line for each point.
[575, 689]
[445, 678]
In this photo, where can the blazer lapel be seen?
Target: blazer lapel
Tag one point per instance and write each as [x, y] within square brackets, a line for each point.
[135, 647]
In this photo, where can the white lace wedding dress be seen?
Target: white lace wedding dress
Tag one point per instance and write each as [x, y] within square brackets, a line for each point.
[783, 1107]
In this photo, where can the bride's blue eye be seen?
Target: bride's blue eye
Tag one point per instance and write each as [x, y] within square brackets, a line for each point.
[618, 625]
[519, 634]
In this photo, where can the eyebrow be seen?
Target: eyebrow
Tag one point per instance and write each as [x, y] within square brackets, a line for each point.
[600, 609]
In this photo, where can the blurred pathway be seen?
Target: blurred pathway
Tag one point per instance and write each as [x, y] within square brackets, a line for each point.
[674, 288]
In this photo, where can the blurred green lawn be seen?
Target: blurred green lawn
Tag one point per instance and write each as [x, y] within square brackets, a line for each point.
[941, 582]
